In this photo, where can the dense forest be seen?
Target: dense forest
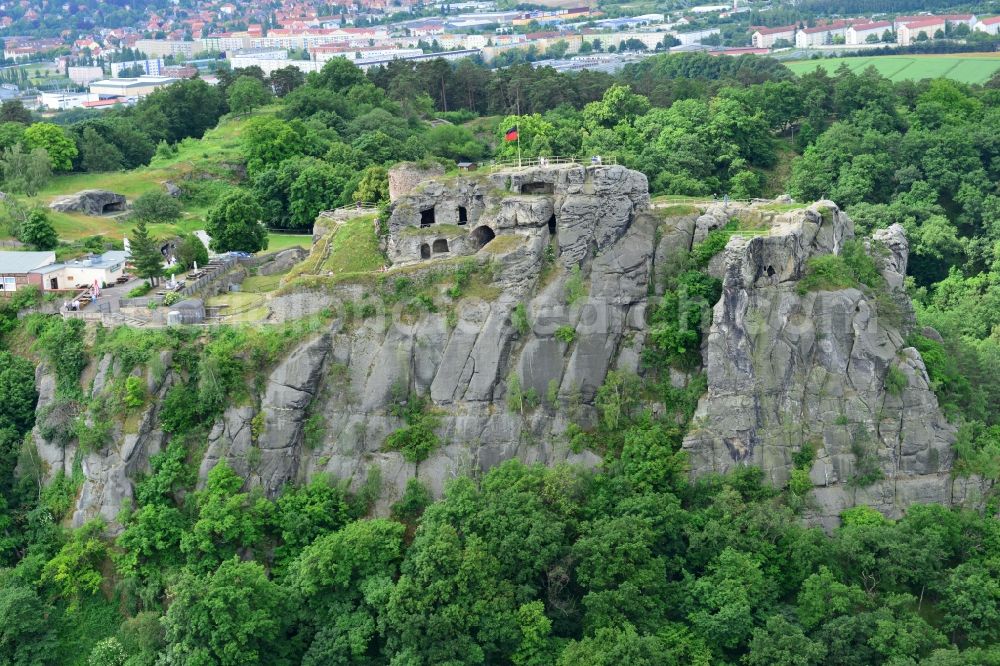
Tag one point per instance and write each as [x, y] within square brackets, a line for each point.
[633, 563]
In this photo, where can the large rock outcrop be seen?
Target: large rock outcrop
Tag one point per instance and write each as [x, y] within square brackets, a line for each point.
[603, 238]
[788, 367]
[90, 202]
[579, 249]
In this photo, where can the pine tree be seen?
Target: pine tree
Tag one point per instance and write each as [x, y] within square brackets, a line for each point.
[146, 256]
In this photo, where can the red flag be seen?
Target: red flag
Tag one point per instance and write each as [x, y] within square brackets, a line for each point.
[511, 134]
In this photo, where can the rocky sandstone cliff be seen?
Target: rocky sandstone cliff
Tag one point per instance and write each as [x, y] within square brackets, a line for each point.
[783, 367]
[787, 368]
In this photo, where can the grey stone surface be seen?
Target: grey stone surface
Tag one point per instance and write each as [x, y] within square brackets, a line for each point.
[282, 262]
[786, 367]
[90, 202]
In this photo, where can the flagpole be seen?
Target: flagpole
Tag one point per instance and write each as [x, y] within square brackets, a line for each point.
[517, 126]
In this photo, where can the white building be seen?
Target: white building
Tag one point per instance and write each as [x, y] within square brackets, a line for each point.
[989, 25]
[160, 48]
[860, 32]
[908, 33]
[764, 38]
[62, 100]
[820, 35]
[269, 64]
[693, 37]
[225, 43]
[324, 53]
[81, 76]
[150, 67]
[136, 88]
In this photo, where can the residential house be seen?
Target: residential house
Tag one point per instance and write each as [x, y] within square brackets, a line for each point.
[990, 25]
[765, 38]
[160, 48]
[820, 35]
[908, 33]
[860, 33]
[16, 269]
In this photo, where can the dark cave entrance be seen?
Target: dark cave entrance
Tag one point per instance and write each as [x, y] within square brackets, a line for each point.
[426, 218]
[537, 188]
[425, 251]
[440, 245]
[463, 215]
[482, 235]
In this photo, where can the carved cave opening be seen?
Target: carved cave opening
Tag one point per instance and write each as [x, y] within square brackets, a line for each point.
[463, 215]
[425, 251]
[426, 218]
[482, 235]
[440, 245]
[537, 188]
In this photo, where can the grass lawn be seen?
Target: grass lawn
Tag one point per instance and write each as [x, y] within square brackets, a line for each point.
[354, 248]
[211, 156]
[963, 67]
[783, 207]
[259, 284]
[284, 241]
[235, 300]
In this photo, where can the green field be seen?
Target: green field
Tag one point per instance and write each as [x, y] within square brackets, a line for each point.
[963, 67]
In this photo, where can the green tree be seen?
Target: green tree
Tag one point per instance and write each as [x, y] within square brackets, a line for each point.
[340, 582]
[228, 520]
[13, 111]
[247, 93]
[60, 147]
[781, 643]
[17, 392]
[155, 206]
[728, 598]
[286, 79]
[971, 602]
[232, 616]
[306, 513]
[449, 605]
[616, 558]
[146, 256]
[318, 187]
[11, 133]
[373, 185]
[338, 74]
[75, 569]
[98, 154]
[189, 250]
[267, 141]
[234, 223]
[26, 633]
[37, 231]
[24, 172]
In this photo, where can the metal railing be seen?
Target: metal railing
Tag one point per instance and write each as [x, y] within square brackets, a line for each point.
[344, 213]
[527, 162]
[696, 201]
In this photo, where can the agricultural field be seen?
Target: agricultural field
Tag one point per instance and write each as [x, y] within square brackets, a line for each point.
[962, 67]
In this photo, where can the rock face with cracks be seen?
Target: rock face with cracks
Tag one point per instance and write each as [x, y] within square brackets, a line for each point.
[789, 368]
[580, 248]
